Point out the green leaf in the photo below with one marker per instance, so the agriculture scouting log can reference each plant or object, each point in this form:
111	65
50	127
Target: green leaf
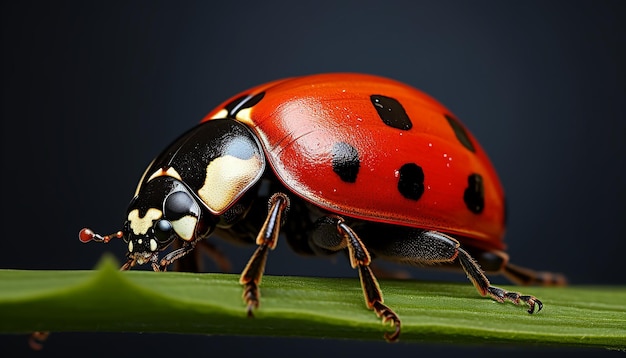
140	301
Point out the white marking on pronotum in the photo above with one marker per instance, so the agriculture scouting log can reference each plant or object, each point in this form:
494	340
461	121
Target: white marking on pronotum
223	113
185	227
171	172
245	116
226	178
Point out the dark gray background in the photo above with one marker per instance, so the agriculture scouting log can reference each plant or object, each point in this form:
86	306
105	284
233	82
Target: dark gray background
91	91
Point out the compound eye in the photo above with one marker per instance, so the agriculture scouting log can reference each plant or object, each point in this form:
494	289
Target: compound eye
163	231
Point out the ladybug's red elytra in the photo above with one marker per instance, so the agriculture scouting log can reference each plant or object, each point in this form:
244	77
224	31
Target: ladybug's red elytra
346	162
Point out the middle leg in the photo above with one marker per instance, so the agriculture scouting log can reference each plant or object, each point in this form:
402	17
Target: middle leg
331	233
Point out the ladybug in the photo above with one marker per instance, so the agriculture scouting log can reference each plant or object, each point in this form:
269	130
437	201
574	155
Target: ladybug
334	162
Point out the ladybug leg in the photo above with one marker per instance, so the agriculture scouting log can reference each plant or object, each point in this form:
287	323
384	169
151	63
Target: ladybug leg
524	276
430	247
193	263
484	287
37	339
266	239
128	264
173	256
215	254
333	234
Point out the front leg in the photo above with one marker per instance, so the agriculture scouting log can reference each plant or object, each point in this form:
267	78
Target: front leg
267	239
172	256
128	264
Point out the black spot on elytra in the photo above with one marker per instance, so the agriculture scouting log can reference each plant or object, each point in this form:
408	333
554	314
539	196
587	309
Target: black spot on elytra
411	182
460	132
241	102
391	112
474	196
346	161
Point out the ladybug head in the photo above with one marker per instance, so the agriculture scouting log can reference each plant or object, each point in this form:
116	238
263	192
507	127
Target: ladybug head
163	211
196	183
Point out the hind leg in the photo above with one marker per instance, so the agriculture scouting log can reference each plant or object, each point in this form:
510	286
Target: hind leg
331	233
495	261
524	276
431	247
